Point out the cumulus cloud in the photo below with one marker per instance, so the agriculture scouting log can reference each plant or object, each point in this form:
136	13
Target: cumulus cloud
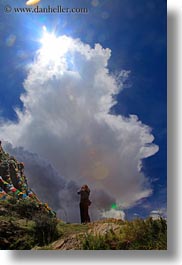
113	213
66	120
157	214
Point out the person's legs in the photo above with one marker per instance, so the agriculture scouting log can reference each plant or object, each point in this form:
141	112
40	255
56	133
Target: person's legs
85	218
82	213
88	218
86	215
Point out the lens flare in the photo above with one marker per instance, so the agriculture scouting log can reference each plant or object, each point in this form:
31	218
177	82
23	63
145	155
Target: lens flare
32	2
114	206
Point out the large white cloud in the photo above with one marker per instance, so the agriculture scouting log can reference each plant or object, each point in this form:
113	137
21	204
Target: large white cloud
68	96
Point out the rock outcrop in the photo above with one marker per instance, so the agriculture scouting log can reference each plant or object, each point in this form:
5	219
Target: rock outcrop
13	182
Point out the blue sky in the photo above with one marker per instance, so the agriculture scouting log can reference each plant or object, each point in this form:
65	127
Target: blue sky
135	31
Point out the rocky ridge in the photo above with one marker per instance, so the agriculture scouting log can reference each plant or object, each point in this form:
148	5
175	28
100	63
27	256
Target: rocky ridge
14	184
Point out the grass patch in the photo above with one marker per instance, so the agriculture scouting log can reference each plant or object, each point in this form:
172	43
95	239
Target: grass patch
65	230
134	235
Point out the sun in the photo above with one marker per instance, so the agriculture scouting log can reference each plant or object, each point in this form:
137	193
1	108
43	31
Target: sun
53	47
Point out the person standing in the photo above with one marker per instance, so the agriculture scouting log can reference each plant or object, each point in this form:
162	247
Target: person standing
84	193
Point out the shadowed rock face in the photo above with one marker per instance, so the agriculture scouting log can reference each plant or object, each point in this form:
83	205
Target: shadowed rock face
24	219
13	182
8	232
73	242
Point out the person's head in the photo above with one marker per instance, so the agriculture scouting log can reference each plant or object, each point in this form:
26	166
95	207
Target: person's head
85	187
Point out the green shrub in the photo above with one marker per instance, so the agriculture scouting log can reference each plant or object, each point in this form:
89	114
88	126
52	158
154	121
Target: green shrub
45	229
24	242
26	208
95	243
146	234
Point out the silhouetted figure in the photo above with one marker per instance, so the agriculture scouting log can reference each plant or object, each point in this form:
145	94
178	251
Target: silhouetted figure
0	146
84	203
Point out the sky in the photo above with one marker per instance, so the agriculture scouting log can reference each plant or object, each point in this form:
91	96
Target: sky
83	100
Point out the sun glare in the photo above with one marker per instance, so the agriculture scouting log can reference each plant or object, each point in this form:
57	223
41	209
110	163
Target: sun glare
53	47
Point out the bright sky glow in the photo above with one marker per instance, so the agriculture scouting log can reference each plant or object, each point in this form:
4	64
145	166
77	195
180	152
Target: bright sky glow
53	47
